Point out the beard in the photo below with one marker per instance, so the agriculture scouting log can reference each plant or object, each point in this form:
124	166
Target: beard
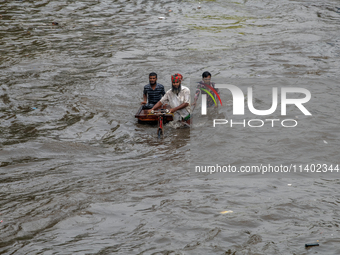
176	90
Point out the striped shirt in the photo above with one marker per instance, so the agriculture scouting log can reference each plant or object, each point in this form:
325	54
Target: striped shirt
154	95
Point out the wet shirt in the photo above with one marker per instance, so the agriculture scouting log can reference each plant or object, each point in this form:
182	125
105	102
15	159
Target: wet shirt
154	95
175	100
210	101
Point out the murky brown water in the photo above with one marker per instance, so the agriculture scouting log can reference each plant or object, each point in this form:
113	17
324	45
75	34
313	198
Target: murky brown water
80	176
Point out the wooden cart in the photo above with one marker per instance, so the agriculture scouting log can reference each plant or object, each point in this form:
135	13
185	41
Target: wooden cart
144	117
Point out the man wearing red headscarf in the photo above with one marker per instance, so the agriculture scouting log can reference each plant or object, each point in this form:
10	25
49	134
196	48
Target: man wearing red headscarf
178	97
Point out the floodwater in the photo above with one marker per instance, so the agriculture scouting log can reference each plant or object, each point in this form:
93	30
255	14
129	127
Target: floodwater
79	175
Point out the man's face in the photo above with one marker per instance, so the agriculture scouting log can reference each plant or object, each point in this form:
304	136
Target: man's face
206	80
176	84
152	80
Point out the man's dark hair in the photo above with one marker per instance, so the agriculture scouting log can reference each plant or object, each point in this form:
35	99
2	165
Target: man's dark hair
206	74
153	74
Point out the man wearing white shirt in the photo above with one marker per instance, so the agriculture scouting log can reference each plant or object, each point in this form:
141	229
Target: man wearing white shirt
178	97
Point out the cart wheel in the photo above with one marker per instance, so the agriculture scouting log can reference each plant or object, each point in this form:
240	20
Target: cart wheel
160	133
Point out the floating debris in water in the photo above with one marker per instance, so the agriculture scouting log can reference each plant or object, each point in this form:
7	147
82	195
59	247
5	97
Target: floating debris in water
161	18
224	212
325	142
55	23
289	184
311	244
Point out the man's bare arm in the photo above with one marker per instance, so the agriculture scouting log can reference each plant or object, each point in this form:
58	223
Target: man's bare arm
181	106
145	99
